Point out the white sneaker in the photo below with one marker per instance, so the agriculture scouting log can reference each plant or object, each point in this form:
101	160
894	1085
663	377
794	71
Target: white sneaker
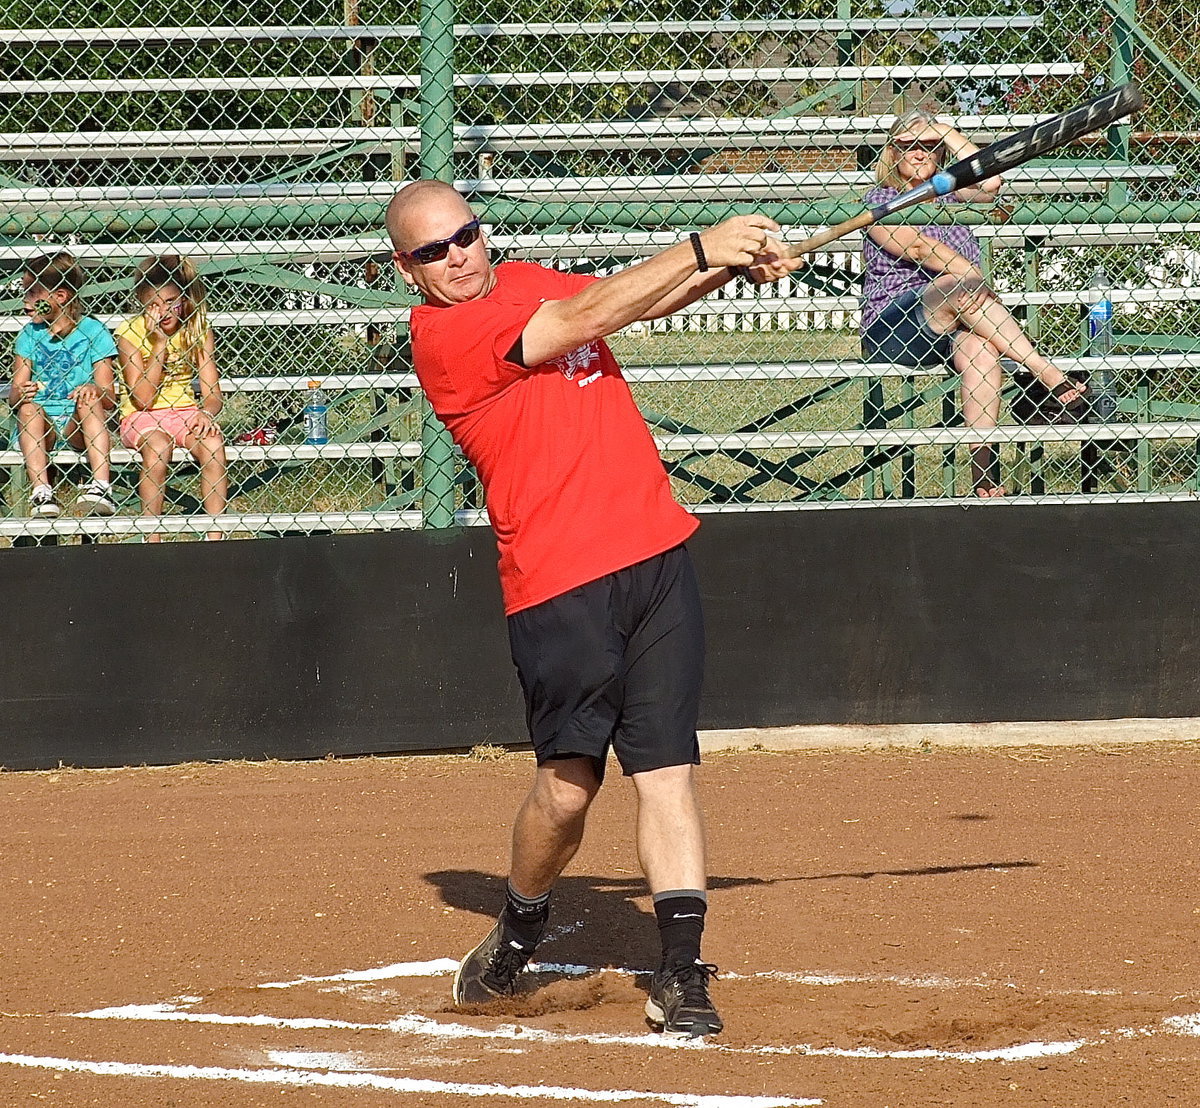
42	503
99	498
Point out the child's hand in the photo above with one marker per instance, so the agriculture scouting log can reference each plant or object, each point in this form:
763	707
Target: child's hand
202	422
27	391
154	318
86	394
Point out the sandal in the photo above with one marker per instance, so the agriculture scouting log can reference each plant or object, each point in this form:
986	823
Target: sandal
985	472
1077	405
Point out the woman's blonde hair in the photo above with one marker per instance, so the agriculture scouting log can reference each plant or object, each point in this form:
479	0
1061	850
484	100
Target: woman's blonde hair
52	272
157	272
885	168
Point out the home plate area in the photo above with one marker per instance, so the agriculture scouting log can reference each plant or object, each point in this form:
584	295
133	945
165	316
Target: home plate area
894	930
342	1031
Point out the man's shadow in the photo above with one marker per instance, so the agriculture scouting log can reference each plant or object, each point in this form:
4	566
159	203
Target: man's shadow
594	920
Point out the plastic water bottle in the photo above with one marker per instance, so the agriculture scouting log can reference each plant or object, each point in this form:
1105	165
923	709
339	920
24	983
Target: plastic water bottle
316	415
1100	345
1100	315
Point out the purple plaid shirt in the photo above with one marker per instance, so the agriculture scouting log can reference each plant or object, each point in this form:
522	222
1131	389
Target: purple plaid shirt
886	277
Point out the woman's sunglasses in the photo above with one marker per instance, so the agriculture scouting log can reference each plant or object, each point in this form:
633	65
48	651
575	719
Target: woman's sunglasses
929	147
436	251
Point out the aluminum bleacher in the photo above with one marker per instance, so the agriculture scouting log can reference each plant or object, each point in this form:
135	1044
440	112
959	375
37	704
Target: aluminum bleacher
284	215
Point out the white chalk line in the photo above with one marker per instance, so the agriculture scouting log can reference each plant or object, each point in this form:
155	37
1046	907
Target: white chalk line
444	967
439	967
300	1067
383	1083
423	1026
168	1013
317	1060
413	1024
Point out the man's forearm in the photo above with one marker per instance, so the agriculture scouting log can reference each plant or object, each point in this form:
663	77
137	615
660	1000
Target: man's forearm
694	288
605	306
645	290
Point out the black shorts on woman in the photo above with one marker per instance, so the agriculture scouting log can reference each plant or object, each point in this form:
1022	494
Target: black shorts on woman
901	334
616	662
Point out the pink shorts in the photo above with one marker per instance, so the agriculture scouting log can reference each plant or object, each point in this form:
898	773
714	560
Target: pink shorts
174	421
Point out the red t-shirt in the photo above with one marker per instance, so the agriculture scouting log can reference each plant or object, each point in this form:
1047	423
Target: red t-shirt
575	488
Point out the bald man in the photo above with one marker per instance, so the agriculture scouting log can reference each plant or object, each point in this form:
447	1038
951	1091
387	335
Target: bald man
602	604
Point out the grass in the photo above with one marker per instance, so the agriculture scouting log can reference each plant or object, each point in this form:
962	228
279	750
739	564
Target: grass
677	347
487	752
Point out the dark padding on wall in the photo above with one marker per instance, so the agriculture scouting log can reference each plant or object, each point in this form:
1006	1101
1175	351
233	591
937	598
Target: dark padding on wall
301	647
952	614
287	648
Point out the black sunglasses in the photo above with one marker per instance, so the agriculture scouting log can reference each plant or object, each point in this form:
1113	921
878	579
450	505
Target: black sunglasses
436	251
918	144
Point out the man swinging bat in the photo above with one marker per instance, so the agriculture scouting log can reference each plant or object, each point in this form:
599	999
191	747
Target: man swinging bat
603	607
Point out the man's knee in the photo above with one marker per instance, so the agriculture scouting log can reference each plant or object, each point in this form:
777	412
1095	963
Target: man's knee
565	787
668	782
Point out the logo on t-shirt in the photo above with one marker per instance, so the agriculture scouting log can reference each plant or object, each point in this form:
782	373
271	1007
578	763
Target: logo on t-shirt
60	367
60	363
576	360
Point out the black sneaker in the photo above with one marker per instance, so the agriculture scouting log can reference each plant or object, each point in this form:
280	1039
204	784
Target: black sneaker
490	971
679	1004
43	503
99	499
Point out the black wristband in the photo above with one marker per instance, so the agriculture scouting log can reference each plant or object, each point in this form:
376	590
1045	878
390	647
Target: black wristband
698	250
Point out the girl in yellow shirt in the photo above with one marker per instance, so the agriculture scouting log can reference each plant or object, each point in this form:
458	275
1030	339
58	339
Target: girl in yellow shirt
161	352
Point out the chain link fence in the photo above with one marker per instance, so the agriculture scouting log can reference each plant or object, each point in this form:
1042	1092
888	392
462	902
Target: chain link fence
262	144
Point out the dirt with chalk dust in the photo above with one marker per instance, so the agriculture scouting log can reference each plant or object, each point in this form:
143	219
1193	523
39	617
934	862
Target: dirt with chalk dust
966	927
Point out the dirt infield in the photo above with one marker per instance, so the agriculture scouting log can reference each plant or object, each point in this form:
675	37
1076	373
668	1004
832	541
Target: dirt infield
965	927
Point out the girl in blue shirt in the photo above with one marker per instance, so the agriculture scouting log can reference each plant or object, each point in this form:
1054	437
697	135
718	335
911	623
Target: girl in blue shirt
63	385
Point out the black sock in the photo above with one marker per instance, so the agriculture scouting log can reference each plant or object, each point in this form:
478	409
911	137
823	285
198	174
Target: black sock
525	917
680	914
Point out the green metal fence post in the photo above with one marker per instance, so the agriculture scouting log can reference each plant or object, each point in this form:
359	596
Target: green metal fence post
1031	268
875	419
851	99
951	417
1120	71
908	460
437	160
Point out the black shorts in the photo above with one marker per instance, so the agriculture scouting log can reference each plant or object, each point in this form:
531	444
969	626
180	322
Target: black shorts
618	661
901	334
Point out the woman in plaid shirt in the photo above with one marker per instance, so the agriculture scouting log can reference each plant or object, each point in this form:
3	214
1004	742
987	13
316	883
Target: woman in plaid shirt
926	302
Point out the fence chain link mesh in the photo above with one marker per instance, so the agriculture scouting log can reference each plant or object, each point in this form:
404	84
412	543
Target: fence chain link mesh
262	142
